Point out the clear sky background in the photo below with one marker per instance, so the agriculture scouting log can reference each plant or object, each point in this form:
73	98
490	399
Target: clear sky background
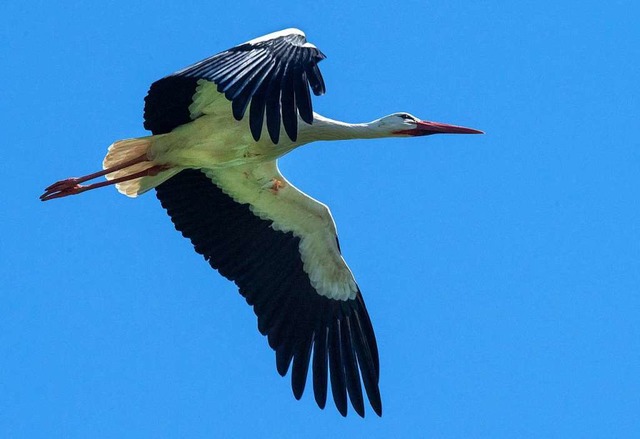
501	272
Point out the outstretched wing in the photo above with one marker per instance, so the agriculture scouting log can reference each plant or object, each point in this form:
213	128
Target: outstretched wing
272	73
280	247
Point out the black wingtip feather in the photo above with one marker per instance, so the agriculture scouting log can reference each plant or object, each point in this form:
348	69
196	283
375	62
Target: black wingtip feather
320	362
288	105
367	365
284	354
351	368
273	104
336	367
300	369
315	79
256	112
303	97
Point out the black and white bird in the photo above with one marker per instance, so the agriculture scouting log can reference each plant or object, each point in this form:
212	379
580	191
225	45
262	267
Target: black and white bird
214	169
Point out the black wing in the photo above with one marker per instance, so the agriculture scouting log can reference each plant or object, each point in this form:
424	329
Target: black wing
272	73
339	332
266	266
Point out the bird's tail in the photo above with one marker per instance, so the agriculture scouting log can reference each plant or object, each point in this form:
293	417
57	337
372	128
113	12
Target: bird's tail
126	150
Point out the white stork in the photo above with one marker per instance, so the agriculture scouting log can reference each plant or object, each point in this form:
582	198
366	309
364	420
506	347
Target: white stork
215	172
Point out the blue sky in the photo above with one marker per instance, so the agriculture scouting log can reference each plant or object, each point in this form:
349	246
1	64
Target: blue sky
501	272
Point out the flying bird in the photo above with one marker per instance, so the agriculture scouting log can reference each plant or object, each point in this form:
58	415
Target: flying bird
214	169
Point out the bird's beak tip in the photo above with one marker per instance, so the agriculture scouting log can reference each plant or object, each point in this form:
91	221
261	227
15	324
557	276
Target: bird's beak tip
429	127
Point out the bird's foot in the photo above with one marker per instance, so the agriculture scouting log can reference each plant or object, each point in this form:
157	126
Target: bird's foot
63	188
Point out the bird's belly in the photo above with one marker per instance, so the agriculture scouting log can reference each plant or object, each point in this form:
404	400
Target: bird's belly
213	142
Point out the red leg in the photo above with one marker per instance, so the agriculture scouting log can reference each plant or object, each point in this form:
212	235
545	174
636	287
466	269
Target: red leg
72	186
74	181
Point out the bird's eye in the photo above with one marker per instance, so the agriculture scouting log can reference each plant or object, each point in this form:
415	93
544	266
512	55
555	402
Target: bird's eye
406	116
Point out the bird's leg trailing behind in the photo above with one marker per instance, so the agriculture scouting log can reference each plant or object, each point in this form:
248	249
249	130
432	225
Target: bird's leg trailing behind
72	186
126	165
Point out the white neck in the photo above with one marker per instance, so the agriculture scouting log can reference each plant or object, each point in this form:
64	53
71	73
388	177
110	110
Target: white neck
324	128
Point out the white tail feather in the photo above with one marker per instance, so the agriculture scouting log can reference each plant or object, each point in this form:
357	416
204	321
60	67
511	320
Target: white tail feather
130	149
138	186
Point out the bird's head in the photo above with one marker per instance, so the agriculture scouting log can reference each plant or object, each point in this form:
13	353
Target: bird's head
404	124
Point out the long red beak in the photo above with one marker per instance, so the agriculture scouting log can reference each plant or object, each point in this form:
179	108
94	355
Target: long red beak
425	128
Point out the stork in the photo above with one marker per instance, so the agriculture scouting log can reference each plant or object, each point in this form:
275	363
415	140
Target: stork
215	172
